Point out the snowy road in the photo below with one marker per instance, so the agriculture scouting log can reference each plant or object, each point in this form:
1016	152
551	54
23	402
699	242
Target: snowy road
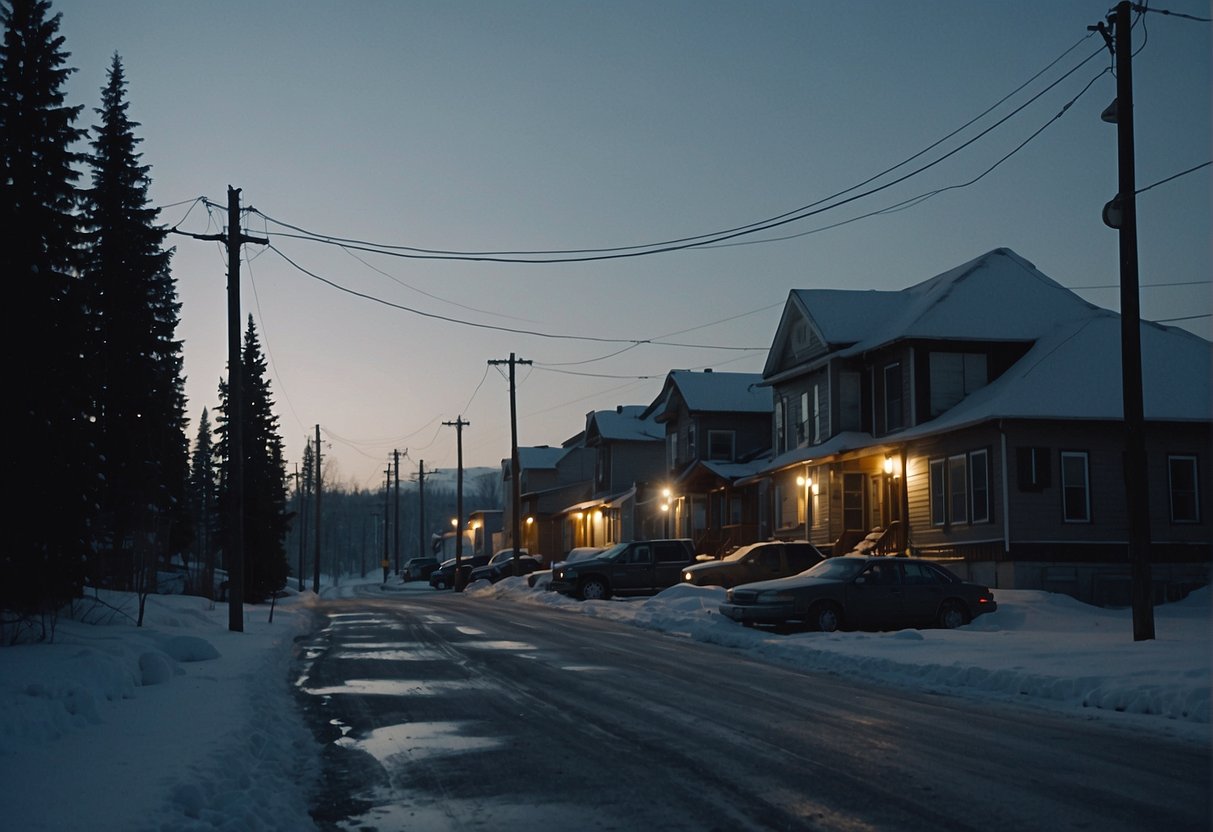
440	712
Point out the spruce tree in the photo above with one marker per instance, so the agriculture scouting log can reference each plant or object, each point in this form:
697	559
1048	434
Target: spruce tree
42	560
137	361
266	519
203	500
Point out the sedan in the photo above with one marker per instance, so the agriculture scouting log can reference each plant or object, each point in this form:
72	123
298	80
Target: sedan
859	592
503	565
755	562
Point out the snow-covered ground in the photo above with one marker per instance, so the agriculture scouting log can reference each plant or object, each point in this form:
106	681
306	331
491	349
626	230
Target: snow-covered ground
183	725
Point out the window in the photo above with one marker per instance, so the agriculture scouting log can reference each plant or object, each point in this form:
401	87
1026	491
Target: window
1185	502
671	449
816	434
939	491
1032	468
960	488
852	502
958	492
979	486
1076	497
735	511
848	401
780	447
805	429
953	376
892	398
721	445
692	442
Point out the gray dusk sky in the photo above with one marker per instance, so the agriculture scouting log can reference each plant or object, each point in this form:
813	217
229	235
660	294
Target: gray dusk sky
478	126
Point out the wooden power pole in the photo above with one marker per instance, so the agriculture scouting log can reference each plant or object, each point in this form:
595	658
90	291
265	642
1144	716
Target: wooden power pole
459	425
515	478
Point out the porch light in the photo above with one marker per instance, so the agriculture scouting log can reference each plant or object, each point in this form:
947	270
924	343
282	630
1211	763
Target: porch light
804	482
454	522
816	489
577	515
530	521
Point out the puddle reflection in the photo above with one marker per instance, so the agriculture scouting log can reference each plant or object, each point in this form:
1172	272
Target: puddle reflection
499	645
418	740
393	655
390	687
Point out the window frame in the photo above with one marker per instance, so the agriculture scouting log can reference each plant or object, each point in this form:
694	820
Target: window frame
1067	487
890	424
983	490
938	490
1194	465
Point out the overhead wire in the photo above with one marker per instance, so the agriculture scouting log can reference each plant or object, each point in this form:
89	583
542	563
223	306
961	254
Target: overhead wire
701	240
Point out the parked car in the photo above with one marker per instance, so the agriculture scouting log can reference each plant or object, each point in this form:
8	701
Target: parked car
755	562
502	565
862	592
418	569
444	576
641	567
542	578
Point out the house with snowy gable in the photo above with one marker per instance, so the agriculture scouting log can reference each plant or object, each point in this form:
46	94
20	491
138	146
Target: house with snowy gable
717	431
976	418
626	446
549	478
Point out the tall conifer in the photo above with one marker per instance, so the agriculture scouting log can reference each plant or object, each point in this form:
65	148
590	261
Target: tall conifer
43	556
203	500
137	371
265	513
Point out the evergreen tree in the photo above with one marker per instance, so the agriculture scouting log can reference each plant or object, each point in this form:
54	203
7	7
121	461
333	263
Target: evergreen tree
137	362
42	560
266	519
203	500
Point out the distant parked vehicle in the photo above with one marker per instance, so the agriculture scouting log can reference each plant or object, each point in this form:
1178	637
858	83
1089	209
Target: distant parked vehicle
542	578
444	576
418	569
502	565
857	592
755	562
641	567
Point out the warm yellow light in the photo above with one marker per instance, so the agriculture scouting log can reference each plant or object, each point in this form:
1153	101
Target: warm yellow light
455	522
475	524
888	464
804	482
597	514
577	515
665	506
530	520
665	492
816	490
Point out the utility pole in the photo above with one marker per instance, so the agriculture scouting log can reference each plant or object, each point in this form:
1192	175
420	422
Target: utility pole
515	474
396	526
234	555
387	494
319	489
459	425
1121	214
421	509
299	514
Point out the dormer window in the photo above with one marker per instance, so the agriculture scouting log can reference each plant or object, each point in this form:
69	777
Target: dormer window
721	445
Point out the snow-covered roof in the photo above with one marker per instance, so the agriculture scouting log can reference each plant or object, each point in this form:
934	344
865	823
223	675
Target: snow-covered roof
540	456
625	423
712	392
1074	372
998	296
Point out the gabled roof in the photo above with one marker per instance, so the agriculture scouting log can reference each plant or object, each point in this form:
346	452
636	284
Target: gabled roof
998	296
712	392
540	457
626	423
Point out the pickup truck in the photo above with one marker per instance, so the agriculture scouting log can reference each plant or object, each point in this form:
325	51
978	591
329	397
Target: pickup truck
640	567
761	561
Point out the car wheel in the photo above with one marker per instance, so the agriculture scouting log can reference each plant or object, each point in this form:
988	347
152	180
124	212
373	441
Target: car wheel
952	615
440	584
826	618
593	590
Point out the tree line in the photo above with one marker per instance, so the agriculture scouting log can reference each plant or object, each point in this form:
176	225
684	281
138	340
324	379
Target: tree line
108	492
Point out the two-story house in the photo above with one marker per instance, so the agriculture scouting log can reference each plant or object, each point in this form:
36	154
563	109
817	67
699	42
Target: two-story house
977	417
717	431
549	479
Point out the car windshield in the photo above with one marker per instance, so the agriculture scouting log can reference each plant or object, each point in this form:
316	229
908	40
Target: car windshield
612	552
837	569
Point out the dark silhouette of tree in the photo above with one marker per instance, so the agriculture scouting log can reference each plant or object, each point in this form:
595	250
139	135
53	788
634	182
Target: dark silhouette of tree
42	559
136	371
203	500
266	519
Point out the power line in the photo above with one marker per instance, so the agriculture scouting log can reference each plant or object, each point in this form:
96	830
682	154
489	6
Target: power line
701	240
494	327
1176	176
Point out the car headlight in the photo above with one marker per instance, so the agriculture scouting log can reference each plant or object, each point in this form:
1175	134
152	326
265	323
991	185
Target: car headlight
686	576
774	596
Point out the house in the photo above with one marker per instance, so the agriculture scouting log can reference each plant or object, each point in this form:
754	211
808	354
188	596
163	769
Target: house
550	478
627	446
976	418
717	431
